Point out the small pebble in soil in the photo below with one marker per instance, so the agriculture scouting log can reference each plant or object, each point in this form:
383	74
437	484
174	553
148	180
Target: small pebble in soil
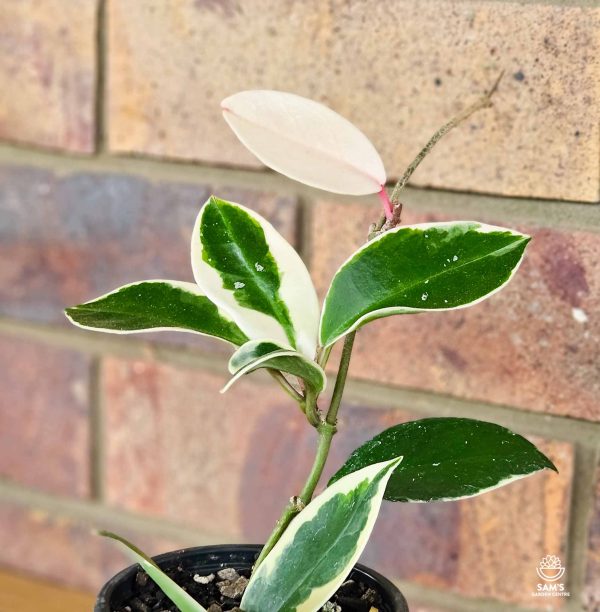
204	579
227	574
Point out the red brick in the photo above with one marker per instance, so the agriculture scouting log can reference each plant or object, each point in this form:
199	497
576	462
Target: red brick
65	550
44	427
398	69
523	347
69	238
176	449
48	73
592	588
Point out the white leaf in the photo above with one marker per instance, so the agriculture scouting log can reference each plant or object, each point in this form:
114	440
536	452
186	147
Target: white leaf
305	141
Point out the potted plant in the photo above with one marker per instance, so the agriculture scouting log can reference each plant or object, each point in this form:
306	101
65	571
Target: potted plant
253	291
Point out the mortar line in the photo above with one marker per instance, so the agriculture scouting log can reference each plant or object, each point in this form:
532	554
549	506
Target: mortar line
100	114
429	403
582	505
540	212
96	435
99	516
373	395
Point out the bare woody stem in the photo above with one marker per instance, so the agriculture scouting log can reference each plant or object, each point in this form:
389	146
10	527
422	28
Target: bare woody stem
484	102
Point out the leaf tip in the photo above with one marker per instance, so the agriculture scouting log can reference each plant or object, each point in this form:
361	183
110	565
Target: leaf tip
71	315
550	464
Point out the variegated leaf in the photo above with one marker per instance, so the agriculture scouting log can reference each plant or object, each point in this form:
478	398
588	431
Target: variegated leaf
253	274
419	268
181	598
156	305
320	546
265	354
306	141
448	458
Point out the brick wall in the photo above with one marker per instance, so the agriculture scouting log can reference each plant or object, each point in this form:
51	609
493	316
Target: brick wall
112	138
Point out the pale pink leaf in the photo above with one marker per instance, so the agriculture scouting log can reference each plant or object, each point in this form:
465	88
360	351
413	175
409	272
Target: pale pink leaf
305	141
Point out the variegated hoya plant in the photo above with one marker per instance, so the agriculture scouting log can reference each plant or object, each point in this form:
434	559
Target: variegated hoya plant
253	291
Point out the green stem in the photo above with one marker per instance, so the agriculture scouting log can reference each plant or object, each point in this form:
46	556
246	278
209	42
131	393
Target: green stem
326	433
297	504
310	408
326	429
285	384
323	356
340	381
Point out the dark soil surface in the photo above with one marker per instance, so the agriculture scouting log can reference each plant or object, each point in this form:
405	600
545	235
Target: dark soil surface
223	590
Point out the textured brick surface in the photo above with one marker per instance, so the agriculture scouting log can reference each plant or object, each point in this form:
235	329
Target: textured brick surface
176	448
65	550
44	433
534	345
592	590
48	72
68	239
397	69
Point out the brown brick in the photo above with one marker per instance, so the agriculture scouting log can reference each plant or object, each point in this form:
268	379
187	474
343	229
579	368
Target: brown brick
592	588
65	550
524	347
68	239
44	428
177	449
48	73
388	66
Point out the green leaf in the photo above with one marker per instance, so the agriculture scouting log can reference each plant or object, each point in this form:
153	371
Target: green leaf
171	589
156	305
436	266
250	271
320	546
448	458
265	354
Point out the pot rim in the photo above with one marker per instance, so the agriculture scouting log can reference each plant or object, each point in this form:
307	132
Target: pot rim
391	591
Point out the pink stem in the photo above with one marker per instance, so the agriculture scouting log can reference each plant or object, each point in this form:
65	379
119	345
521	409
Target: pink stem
388	209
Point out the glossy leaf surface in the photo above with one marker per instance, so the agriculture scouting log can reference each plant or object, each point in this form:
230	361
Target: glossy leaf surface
426	267
321	545
156	305
171	589
264	354
448	458
254	275
305	141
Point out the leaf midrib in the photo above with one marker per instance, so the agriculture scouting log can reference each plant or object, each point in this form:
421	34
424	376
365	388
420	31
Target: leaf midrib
264	288
341	162
410	287
338	537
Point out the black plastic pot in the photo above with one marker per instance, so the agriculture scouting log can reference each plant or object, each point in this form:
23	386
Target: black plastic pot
208	559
